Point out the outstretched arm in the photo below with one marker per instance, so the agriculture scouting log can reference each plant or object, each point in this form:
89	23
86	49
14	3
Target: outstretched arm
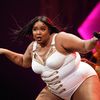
73	43
23	60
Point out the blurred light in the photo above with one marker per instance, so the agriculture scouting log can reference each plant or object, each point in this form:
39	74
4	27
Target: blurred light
91	23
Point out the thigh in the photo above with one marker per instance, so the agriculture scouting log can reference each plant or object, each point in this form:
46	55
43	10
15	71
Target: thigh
89	90
45	94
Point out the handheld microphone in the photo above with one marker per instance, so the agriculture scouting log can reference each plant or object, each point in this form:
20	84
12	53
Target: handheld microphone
97	35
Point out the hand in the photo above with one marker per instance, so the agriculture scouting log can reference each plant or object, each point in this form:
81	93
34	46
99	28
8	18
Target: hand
97	35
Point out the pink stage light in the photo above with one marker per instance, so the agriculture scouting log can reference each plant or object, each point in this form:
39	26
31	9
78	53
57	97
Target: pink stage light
91	23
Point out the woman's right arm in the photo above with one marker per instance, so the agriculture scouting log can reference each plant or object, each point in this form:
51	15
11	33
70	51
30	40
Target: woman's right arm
23	60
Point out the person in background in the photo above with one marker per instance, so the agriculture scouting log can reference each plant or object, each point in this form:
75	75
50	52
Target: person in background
96	55
55	56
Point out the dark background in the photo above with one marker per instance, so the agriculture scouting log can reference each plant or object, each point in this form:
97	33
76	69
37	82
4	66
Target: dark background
17	83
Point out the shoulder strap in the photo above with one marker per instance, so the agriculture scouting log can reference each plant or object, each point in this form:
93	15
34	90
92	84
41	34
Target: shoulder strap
34	46
53	40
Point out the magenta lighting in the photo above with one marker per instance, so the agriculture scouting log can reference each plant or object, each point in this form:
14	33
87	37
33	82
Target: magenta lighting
91	23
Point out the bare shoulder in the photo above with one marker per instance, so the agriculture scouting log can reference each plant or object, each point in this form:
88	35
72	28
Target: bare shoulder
68	41
63	35
68	36
60	36
60	39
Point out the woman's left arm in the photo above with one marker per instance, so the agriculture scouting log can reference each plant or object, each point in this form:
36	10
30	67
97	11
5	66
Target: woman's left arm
73	43
88	45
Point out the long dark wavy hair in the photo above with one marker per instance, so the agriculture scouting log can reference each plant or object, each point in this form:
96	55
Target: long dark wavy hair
27	29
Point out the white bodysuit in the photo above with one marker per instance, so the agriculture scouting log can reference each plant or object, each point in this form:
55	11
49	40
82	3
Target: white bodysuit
63	74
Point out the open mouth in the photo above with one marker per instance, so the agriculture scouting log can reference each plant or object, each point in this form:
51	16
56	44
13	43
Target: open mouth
39	38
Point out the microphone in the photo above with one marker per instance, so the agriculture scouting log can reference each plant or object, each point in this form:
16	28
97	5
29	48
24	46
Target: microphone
97	35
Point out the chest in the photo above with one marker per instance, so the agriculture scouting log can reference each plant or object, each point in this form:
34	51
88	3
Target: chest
54	61
43	53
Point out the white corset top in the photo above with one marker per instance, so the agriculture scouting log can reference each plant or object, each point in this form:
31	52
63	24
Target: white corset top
56	67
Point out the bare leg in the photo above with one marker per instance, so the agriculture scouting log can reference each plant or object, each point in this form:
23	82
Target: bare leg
45	94
89	90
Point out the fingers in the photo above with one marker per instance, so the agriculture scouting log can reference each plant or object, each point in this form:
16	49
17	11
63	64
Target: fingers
97	35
